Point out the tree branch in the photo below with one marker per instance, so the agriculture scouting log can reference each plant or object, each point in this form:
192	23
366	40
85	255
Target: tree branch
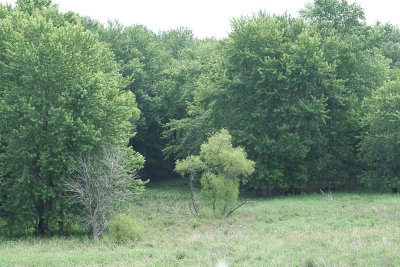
241	204
330	198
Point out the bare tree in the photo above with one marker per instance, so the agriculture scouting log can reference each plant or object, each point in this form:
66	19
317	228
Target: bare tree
100	182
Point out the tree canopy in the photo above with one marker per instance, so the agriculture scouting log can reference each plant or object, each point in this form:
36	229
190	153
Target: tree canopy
61	94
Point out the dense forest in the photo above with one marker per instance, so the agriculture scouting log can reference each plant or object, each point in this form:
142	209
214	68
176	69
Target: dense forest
313	101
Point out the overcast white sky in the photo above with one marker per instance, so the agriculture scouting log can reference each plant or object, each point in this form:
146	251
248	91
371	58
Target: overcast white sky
207	18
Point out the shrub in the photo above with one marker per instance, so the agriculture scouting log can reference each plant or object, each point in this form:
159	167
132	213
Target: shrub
123	229
222	168
221	193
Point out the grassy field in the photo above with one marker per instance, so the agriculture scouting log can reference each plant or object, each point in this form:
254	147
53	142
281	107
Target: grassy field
291	231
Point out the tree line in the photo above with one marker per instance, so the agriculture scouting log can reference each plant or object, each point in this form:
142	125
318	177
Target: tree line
313	100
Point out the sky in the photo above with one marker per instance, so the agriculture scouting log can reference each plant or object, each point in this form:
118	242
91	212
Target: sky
206	18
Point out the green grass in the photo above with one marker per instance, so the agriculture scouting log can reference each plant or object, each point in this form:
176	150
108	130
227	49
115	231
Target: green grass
291	231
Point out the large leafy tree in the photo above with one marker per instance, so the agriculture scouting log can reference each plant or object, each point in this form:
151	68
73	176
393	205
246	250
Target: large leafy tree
267	84
356	51
61	94
275	99
380	146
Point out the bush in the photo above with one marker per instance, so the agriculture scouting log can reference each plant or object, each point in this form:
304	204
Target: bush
222	168
221	193
123	229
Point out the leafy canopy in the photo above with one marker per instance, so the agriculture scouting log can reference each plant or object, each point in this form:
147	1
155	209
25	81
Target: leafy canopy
61	95
380	146
222	168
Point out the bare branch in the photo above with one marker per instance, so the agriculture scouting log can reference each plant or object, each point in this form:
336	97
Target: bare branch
99	183
241	204
330	198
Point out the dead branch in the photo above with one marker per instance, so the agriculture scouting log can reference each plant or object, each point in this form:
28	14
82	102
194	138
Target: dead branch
330	198
241	204
100	183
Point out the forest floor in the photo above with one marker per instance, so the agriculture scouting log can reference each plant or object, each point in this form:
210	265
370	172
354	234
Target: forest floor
306	230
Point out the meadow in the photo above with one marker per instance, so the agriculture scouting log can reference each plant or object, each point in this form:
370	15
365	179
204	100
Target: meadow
305	230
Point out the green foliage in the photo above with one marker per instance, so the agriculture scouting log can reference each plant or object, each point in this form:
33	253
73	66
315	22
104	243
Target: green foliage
380	146
304	80
193	88
390	43
337	15
123	229
290	92
61	95
185	166
355	49
222	169
31	5
165	70
299	94
221	193
221	158
101	183
141	58
274	99
176	40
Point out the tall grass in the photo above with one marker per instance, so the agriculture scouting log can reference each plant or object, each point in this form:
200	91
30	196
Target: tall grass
288	231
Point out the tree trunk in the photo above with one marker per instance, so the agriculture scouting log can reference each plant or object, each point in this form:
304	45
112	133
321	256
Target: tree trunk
61	227
42	225
95	231
95	236
264	192
192	193
214	201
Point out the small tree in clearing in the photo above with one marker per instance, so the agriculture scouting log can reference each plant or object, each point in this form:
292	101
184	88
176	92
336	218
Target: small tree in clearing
101	182
222	168
191	165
